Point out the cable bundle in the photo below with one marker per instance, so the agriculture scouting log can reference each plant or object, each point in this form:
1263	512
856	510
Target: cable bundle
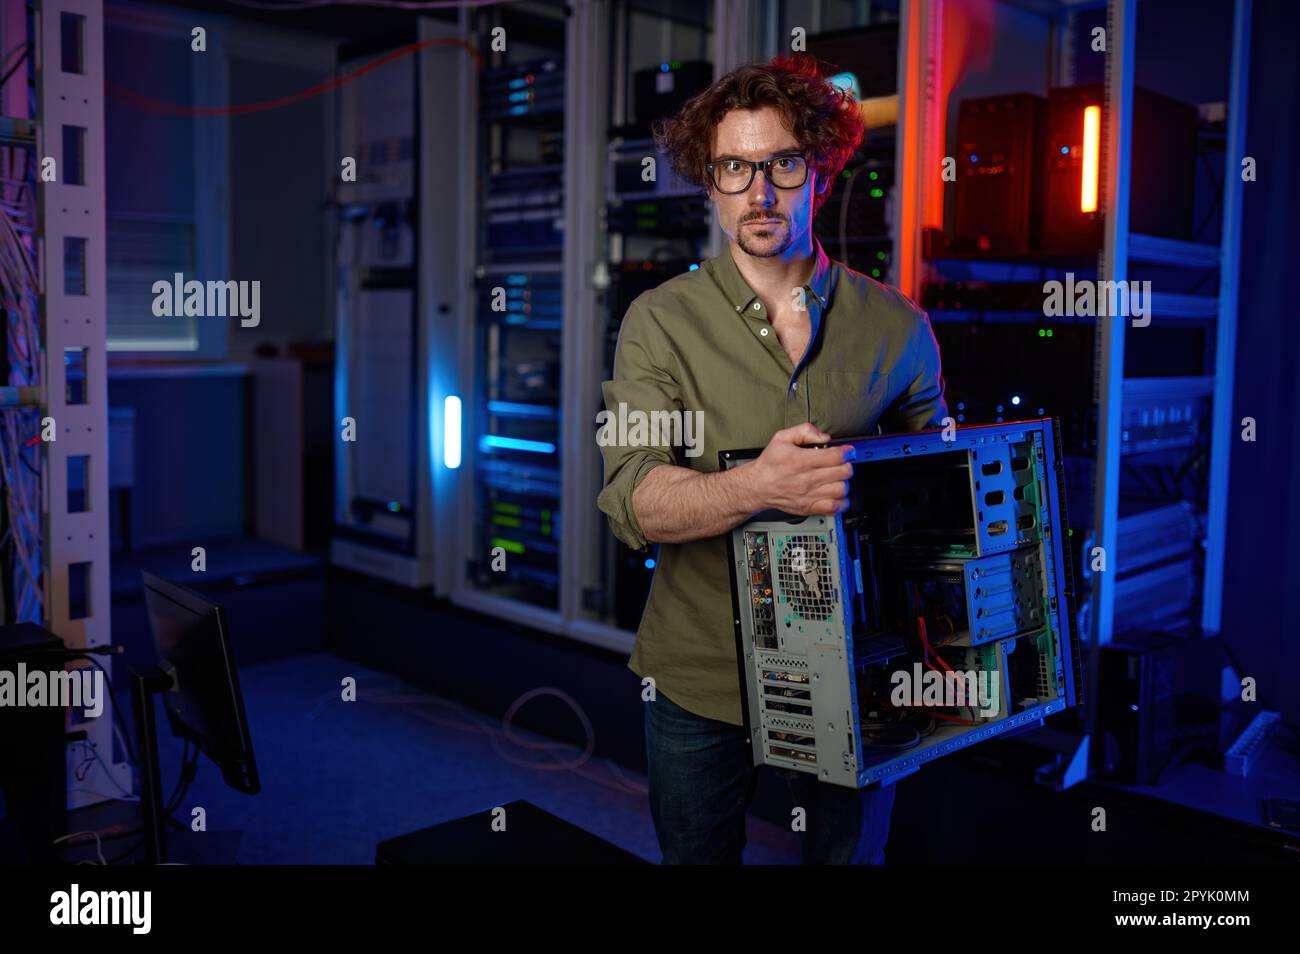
20	546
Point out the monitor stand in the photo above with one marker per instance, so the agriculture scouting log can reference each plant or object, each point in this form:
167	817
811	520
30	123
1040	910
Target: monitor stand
145	684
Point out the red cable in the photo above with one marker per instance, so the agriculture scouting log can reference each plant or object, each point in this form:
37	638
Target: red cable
164	108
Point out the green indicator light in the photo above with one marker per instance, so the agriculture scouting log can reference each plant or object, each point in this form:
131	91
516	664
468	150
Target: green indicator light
510	546
505	507
875	273
873	176
880	256
546	515
877	193
1049	332
1041	333
507	521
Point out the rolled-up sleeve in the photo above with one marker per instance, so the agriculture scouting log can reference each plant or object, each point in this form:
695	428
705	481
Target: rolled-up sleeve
643	381
922	404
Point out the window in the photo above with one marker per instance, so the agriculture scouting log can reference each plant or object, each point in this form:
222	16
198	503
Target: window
151	229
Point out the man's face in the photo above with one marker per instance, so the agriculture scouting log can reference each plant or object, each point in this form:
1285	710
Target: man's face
763	220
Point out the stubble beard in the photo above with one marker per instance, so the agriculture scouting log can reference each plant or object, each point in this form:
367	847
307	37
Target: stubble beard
746	239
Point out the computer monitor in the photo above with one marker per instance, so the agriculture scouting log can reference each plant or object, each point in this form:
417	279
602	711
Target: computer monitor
204	701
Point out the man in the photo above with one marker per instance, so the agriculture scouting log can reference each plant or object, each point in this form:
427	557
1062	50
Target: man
781	348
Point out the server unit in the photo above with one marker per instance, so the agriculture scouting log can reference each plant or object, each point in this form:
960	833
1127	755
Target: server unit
1030	174
932	614
382	479
998	173
869	53
853	223
662	90
515	415
1161	702
1163	164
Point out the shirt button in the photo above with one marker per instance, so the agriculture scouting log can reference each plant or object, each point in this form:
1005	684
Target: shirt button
763	332
795	386
757	305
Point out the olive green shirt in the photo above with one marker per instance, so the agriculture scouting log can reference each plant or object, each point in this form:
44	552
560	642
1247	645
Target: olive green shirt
702	342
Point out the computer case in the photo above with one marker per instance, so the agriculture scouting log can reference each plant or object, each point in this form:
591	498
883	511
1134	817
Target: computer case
1162	186
951	554
1161	702
999	177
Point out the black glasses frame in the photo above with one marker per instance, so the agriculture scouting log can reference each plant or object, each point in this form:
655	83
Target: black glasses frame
753	171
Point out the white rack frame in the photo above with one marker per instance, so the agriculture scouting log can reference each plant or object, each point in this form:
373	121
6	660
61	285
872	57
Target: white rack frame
75	321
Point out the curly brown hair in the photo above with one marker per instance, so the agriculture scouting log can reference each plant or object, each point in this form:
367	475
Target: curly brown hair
823	118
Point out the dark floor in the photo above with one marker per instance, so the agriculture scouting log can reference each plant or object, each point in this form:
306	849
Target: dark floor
338	777
431	746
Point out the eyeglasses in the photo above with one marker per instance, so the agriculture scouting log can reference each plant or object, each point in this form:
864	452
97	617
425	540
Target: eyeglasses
731	176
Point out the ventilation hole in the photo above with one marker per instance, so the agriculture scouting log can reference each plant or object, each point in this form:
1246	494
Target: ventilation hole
1026	522
74	155
1019	463
994	497
74	375
74	265
72	47
997	528
993	469
79	591
78	483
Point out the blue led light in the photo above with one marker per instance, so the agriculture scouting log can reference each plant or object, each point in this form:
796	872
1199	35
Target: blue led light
518	409
491	442
848	82
650	563
450	431
663	67
1015	399
1065	150
974	158
694	267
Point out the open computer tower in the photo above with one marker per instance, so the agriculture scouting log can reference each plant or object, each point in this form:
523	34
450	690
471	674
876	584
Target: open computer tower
949	558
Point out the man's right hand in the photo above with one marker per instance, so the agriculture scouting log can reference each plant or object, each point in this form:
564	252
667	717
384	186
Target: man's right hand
798	477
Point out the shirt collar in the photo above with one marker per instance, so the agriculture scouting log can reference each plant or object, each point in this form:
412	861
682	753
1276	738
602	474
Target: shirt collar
737	291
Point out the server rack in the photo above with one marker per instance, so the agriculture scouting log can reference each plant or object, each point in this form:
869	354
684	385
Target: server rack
1131	414
505	558
381	512
69	579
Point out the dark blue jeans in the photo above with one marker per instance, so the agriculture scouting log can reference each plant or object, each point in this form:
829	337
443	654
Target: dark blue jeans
702	779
